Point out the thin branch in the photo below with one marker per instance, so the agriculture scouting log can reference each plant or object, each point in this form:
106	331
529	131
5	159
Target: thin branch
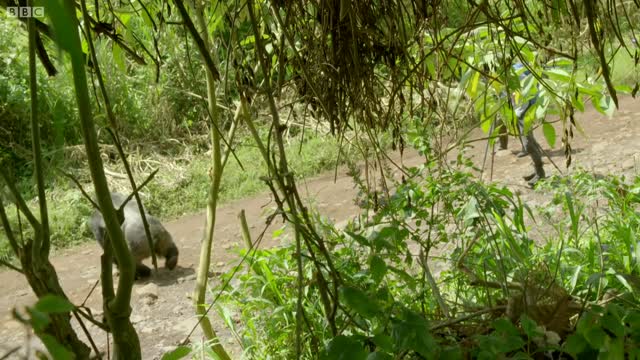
79	186
8	231
470	316
11	266
19	201
197	38
86	332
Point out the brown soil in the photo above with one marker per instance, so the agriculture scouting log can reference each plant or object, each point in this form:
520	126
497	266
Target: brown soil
607	146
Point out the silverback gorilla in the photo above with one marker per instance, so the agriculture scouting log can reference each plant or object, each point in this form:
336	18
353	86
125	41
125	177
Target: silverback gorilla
133	230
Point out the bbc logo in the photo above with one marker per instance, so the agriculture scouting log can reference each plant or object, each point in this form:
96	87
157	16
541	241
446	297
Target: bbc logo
25	11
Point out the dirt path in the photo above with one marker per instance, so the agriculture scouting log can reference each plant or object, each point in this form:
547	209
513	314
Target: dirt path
611	146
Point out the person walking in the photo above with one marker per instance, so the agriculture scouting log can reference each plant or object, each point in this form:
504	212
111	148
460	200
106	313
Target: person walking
529	144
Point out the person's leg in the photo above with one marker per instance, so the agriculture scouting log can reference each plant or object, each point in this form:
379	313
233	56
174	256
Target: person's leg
504	136
534	150
523	137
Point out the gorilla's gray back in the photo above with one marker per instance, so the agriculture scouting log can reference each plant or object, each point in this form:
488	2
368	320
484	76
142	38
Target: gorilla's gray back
133	228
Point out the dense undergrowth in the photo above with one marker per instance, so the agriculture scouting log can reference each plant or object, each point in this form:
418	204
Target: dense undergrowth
181	185
450	268
447	267
162	125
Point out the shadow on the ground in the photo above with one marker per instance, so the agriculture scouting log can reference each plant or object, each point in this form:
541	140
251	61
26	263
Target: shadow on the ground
166	277
560	152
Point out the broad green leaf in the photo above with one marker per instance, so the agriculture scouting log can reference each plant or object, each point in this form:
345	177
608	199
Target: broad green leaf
118	57
39	320
248	40
147	20
529	326
557	74
412	333
613	324
615	349
595	336
470	211
624	282
590	90
379	356
64	26
345	348
578	103
277	233
473	86
360	301
57	351
85	46
574	278
505	326
549	133
406	277
607	105
451	353
177	353
377	268
625	89
384	342
575	344
52	304
559	62
486	123
125	17
358	238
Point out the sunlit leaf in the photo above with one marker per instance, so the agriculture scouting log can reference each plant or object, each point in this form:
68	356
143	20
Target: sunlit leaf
64	28
557	74
607	105
377	268
39	320
57	351
118	57
574	278
624	282
53	304
473	86
177	353
549	133
470	210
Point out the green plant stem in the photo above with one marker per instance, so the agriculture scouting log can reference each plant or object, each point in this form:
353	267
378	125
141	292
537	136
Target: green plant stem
41	242
286	179
216	177
126	341
114	134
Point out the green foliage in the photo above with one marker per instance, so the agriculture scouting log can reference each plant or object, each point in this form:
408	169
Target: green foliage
179	353
55	105
39	319
388	309
169	199
67	217
307	158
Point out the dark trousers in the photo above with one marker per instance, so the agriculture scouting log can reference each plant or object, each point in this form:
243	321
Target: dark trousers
529	143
